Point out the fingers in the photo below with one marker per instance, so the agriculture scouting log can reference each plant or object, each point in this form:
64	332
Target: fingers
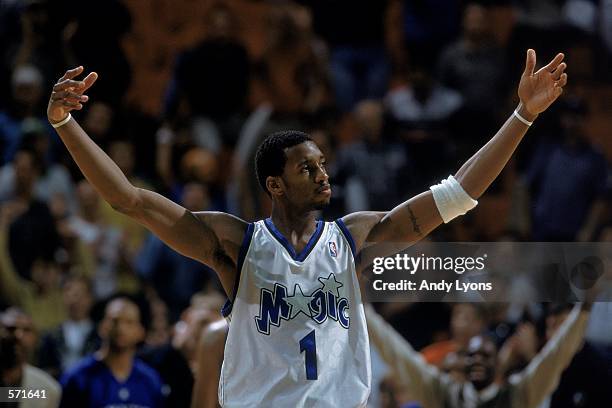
557	73
530	62
67	81
89	80
71	73
69	95
562	81
552	65
68	84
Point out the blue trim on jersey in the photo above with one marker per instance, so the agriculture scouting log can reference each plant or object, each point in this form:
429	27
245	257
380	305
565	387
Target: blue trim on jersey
244	247
284	242
348	236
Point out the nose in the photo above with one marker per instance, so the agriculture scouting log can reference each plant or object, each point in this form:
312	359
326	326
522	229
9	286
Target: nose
321	175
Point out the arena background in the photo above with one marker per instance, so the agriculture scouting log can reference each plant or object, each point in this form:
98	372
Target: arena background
397	94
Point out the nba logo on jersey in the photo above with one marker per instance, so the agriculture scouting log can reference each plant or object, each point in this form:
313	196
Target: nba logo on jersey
333	251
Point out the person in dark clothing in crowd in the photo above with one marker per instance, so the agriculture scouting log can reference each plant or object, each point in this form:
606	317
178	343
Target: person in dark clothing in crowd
113	375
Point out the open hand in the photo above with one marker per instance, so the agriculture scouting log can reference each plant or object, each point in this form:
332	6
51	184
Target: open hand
68	94
538	90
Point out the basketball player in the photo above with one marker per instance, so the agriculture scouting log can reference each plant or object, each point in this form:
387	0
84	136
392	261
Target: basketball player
297	335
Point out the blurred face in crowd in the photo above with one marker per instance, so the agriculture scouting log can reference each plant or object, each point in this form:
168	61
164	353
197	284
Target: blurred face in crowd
466	322
26	172
220	22
304	184
480	358
27	87
200	165
369	117
122	154
45	274
77	298
454	365
195	197
121	327
17	338
89	200
475	23
98	119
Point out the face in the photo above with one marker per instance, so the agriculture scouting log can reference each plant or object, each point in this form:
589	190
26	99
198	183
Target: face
304	183
17	338
121	326
25	171
480	359
465	322
475	21
77	298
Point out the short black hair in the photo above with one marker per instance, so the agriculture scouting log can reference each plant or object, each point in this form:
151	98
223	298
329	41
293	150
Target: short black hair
139	300
270	158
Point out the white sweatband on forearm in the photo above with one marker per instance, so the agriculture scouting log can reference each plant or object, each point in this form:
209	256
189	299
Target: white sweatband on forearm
451	199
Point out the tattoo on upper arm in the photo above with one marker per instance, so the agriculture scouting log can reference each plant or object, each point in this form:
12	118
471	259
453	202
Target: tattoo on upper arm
413	219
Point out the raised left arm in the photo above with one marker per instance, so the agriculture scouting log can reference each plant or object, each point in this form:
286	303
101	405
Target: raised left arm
412	220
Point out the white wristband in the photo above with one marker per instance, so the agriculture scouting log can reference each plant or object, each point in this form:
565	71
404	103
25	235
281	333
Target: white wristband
63	122
451	199
522	119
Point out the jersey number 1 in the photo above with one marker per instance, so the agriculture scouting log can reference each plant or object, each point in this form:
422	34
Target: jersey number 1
308	344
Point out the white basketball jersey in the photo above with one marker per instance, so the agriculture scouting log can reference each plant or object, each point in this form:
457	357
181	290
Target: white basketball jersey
297	335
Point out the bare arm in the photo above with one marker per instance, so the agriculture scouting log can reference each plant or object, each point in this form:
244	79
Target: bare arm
193	235
417	217
543	373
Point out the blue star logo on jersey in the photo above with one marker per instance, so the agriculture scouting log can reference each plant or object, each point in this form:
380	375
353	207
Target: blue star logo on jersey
325	302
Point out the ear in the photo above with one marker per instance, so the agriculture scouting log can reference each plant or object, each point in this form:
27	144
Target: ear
275	185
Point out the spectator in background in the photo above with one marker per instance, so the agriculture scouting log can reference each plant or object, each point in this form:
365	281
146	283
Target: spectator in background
427	26
431	388
467	320
567	180
586	381
64	345
381	167
175	277
17	340
31	231
54	181
113	375
34	35
210	83
123	154
83	44
103	240
474	66
41	297
423	113
358	61
25	101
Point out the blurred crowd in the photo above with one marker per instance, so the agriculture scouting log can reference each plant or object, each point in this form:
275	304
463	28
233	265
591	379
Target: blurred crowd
397	93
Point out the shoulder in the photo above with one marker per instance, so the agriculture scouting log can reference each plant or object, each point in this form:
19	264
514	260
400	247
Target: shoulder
81	370
37	378
147	373
227	227
359	225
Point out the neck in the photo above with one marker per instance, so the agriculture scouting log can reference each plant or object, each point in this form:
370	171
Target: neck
293	223
118	361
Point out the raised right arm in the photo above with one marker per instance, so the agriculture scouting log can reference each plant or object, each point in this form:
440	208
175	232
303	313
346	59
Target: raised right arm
207	237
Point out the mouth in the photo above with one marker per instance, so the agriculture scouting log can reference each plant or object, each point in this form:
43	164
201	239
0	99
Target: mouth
325	189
